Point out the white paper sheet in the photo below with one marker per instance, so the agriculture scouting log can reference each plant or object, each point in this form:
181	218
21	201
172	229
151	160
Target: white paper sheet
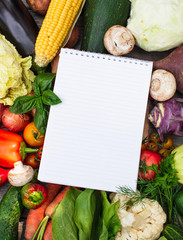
93	137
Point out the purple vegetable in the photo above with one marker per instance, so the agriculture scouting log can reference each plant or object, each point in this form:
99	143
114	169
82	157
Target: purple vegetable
167	117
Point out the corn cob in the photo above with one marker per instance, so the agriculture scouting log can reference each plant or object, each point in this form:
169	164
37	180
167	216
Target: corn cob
58	22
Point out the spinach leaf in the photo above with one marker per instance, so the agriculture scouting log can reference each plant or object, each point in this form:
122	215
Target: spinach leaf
88	218
110	216
63	226
85	207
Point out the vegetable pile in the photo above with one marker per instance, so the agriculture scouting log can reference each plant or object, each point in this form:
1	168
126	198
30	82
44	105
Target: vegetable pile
28	65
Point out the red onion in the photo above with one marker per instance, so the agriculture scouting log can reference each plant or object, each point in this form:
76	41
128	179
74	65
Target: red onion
15	122
2	107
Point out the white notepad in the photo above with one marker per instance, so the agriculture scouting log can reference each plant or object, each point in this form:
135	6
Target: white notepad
93	137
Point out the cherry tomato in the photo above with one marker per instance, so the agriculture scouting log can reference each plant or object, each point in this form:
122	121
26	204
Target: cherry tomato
143	146
168	143
148	158
163	152
152	146
155	137
39	153
32	160
32	136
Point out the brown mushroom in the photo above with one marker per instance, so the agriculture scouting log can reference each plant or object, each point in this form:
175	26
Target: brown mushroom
118	40
163	85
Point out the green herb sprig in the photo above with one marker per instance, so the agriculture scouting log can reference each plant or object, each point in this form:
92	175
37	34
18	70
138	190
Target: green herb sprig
43	98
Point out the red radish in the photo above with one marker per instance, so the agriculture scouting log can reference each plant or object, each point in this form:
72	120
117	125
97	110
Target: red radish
15	122
2	107
148	158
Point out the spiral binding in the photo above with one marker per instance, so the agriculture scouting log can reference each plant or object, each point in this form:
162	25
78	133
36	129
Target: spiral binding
105	57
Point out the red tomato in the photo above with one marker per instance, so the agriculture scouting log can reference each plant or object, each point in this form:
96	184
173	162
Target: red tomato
32	160
148	158
39	153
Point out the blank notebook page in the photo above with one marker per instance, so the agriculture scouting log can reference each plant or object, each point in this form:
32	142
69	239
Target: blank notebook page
93	138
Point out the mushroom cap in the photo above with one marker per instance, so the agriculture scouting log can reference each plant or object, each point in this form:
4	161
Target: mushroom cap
118	40
163	85
20	174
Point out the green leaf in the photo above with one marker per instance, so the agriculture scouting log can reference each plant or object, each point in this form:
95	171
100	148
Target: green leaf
50	98
23	104
43	82
63	226
41	116
110	216
87	210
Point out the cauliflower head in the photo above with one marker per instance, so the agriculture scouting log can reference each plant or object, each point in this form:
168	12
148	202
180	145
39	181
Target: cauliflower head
142	221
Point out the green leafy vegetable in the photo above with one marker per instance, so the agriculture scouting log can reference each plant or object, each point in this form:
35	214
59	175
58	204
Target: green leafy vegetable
110	216
43	98
63	226
156	25
16	77
86	215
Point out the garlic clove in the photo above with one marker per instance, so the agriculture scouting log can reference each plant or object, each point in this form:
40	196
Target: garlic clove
163	85
118	40
20	174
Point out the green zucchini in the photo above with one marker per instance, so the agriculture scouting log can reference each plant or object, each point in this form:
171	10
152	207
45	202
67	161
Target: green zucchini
173	232
99	16
10	210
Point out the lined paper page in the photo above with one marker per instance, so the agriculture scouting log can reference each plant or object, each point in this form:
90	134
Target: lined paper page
93	137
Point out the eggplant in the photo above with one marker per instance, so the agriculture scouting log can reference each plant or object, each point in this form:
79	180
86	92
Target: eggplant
18	26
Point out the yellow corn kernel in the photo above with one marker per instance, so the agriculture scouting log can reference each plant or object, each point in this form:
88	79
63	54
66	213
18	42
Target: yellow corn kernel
55	27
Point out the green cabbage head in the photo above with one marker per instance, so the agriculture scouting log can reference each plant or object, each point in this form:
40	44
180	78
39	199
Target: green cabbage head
178	157
16	78
157	25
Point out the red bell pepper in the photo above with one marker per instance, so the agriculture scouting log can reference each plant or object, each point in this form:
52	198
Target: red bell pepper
12	149
3	175
33	195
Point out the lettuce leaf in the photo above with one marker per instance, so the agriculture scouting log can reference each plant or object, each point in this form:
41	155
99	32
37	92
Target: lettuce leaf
16	78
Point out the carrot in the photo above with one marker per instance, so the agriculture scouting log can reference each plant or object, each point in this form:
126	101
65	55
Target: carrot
50	209
48	214
35	216
48	232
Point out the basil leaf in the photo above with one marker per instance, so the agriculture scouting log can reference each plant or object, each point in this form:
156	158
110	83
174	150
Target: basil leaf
50	98
41	116
23	104
44	81
36	87
63	226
